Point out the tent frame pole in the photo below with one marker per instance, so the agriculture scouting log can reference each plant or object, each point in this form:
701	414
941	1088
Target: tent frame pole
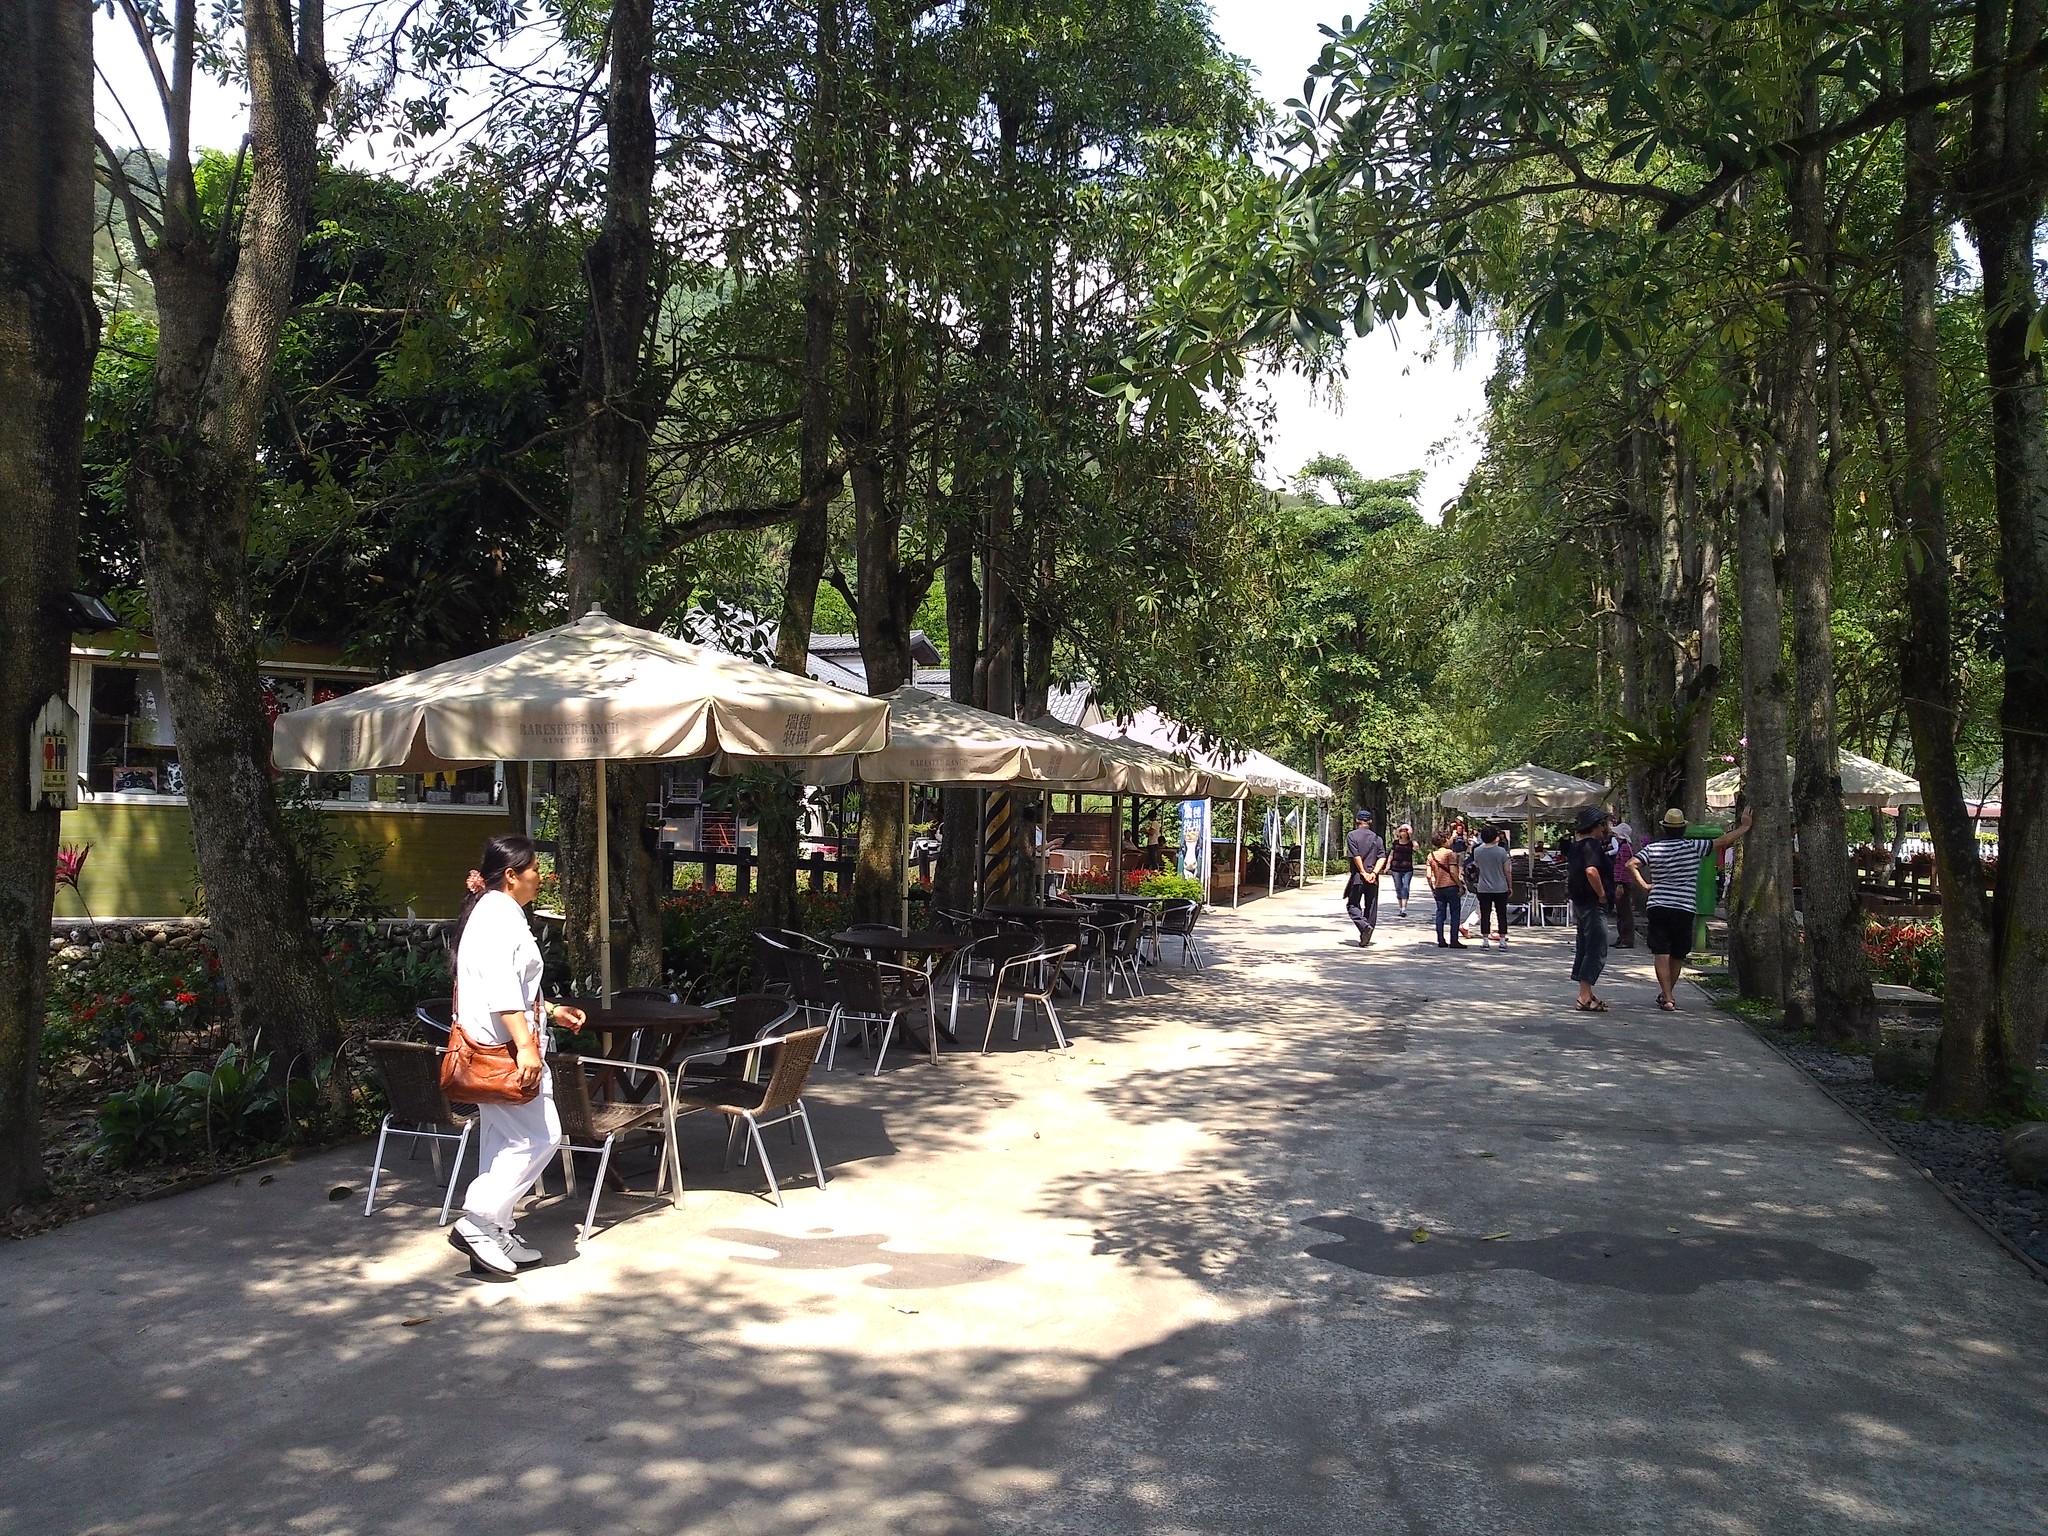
604	887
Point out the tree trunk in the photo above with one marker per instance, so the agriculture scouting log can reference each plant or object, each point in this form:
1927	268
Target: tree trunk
191	488
2005	200
1964	1063
1763	943
48	330
1843	1008
775	898
607	471
960	850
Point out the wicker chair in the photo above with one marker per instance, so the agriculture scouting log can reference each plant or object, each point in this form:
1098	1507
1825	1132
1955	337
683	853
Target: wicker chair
412	1087
755	1105
589	1125
1087	946
746	1018
433	1016
873	992
1027	978
774	964
817	984
1177	920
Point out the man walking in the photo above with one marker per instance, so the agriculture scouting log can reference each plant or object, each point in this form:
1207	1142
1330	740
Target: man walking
1668	867
1586	858
1368	857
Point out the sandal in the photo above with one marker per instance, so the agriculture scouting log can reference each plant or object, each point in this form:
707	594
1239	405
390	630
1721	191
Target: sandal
1667	1005
1595	1006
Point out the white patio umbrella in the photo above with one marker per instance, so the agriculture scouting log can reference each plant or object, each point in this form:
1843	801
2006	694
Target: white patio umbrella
1525	792
1864	783
594	691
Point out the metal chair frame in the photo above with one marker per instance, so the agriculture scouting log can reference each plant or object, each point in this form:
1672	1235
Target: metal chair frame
670	1177
1046	962
434	1138
1190	950
913	985
792	1112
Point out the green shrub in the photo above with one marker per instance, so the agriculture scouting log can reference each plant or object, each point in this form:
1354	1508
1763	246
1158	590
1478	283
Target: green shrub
1171	886
235	1103
127	1000
1907	954
149	1123
707	936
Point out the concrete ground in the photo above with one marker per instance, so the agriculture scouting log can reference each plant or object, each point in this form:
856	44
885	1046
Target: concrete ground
1166	1283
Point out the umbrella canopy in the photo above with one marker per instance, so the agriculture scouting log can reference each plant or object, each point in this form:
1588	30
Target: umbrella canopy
935	740
1522	792
1864	783
1261	775
595	690
1132	768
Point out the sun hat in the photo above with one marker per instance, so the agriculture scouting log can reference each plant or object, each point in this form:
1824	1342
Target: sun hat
1674	819
1590	816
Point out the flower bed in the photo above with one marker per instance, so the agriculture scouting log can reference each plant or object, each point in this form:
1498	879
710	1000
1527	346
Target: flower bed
1907	954
1139	882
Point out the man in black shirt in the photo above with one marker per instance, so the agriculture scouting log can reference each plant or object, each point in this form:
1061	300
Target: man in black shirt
1368	856
1586	858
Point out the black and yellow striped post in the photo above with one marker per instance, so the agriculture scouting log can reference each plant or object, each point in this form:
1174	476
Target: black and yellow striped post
998	834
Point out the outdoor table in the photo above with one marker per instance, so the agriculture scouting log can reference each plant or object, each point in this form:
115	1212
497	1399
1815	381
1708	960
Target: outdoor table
932	943
1031	914
665	1026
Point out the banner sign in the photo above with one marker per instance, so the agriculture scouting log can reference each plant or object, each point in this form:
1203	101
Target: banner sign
52	758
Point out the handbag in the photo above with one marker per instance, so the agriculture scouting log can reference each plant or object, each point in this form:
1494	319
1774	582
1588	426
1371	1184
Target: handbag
472	1073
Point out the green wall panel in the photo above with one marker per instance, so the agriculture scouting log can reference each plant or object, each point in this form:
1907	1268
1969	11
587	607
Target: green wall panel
141	863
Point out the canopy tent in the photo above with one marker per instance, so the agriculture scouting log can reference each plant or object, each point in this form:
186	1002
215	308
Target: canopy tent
937	740
1133	768
593	691
1525	794
1864	783
934	739
1262	776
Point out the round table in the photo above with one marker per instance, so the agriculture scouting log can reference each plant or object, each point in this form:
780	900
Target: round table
664	1025
918	941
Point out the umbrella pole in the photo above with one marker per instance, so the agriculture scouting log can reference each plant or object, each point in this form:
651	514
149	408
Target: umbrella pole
604	890
1116	845
1236	848
906	856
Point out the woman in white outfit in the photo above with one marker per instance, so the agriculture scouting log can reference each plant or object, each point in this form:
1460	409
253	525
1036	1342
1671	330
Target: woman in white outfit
498	1001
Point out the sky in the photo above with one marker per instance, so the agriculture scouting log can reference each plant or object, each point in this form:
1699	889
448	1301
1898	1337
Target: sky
1404	405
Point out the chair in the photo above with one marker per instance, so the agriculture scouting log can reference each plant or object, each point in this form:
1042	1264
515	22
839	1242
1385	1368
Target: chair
983	959
412	1087
756	1105
1030	978
1125	940
1087	944
746	1018
434	1015
1177	919
803	943
1551	897
775	964
873	992
589	1125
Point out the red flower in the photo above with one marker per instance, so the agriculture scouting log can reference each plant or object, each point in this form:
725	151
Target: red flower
71	864
187	999
138	1037
178	983
127	997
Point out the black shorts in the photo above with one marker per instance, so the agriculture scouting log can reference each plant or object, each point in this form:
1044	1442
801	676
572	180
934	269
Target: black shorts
1670	931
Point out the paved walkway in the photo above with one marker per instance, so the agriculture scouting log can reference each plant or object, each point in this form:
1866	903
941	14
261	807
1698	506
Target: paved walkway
1168	1283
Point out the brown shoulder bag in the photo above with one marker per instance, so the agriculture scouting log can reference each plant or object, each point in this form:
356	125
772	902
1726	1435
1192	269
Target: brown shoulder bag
482	1074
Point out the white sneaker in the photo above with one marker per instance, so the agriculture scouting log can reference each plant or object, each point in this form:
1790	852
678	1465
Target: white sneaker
480	1240
1486	941
522	1252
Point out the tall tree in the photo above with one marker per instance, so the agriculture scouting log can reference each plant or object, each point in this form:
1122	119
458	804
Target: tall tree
222	260
48	329
604	540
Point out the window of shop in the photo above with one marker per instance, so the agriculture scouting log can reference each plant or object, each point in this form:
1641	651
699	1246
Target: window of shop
132	746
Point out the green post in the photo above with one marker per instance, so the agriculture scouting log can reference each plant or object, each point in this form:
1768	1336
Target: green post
1710	869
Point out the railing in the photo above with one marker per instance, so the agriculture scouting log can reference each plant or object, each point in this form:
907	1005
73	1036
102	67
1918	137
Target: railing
811	871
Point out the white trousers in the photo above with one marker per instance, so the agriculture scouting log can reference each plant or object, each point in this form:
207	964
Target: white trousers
514	1145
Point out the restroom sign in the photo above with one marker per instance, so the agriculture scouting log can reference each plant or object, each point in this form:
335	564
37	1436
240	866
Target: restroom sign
52	754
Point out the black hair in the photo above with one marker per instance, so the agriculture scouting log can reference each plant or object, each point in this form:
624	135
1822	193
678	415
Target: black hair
509	853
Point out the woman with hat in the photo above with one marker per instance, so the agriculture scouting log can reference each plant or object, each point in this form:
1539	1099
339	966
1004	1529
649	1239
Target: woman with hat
1668	867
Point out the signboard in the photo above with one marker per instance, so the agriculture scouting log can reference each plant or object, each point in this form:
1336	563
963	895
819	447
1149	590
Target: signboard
52	756
1194	840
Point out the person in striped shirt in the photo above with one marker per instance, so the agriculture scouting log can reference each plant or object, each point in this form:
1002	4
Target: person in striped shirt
1668	867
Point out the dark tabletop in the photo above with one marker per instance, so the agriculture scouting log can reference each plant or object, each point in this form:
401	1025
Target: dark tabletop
1039	914
930	941
649	1014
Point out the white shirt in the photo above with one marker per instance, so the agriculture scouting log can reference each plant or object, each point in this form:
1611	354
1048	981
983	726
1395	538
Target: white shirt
497	969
